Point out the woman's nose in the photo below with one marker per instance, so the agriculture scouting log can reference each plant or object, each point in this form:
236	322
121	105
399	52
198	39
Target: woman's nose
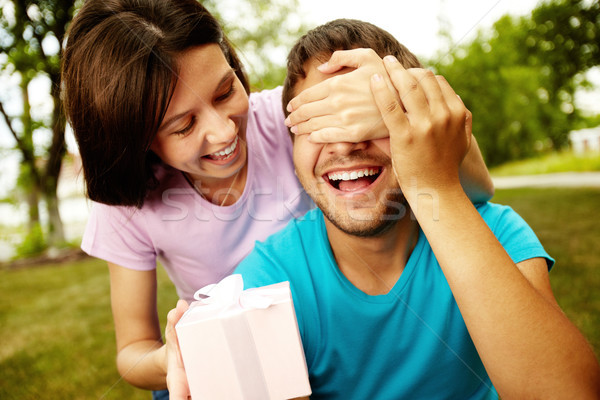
218	128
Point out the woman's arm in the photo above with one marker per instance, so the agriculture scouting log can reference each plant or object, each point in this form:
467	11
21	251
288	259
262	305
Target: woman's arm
141	355
342	108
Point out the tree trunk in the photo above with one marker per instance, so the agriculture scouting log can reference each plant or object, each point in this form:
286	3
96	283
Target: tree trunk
33	200
56	234
56	154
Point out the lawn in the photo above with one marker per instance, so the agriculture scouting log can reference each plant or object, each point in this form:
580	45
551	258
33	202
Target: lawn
565	161
58	334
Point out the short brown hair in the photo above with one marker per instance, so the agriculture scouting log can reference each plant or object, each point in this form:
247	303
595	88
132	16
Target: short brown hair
119	73
340	34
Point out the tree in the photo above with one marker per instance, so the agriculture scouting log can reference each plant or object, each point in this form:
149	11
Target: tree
520	77
27	30
263	31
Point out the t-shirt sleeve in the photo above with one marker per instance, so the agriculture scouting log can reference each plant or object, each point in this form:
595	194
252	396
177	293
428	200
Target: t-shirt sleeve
118	235
269	117
515	235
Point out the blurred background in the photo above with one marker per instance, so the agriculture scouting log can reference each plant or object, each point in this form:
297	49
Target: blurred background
528	70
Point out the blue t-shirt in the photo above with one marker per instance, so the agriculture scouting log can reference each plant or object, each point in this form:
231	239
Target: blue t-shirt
409	343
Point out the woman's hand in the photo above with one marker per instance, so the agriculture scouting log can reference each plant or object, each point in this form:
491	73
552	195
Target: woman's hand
176	378
429	127
341	108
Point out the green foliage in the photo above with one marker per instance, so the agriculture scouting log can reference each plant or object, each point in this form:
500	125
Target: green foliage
33	243
519	78
262	31
31	33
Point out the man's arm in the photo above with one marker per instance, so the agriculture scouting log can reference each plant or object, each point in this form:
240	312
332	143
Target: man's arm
528	346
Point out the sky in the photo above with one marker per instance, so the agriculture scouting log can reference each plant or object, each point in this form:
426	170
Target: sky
416	23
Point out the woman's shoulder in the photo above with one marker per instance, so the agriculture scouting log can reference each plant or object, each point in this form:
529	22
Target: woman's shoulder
266	119
268	98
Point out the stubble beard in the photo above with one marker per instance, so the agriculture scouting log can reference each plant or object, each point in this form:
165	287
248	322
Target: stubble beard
384	213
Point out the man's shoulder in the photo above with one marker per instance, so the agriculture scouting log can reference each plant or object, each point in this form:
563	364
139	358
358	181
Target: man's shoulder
497	214
276	258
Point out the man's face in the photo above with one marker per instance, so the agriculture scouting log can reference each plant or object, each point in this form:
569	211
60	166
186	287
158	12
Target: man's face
352	183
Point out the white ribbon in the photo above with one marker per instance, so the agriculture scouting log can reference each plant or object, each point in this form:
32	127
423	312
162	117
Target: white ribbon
230	292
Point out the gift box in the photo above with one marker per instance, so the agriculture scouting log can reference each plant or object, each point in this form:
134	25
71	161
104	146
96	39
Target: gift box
243	344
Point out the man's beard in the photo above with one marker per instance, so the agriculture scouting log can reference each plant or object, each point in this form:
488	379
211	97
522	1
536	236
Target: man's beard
388	210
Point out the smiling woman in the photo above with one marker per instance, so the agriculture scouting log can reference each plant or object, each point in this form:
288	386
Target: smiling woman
184	166
204	133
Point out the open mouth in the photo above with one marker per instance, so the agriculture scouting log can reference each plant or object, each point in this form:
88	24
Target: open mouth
224	154
353	180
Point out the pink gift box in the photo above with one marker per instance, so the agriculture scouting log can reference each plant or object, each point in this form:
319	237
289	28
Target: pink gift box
243	344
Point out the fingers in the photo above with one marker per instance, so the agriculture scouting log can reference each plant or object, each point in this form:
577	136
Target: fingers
409	90
460	116
306	113
388	104
311	94
176	378
431	89
348	58
336	135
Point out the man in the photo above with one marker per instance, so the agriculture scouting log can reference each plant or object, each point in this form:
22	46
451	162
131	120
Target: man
402	287
391	306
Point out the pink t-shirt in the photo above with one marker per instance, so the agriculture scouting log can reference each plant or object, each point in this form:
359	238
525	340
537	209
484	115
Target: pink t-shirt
196	241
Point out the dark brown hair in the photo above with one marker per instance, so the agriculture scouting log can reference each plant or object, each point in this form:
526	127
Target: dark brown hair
119	72
340	34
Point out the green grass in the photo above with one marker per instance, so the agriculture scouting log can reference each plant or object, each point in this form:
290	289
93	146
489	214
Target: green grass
567	223
550	163
58	339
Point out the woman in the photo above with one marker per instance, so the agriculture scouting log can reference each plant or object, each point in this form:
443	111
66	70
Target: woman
183	165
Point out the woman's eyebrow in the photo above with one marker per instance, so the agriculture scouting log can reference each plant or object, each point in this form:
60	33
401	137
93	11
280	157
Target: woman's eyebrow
225	79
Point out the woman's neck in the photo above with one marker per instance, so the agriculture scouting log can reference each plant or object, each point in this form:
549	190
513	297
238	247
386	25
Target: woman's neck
221	191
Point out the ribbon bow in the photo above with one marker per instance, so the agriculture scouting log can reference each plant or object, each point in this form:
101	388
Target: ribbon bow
229	293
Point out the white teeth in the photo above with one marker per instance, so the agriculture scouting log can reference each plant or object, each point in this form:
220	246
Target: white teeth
347	176
226	151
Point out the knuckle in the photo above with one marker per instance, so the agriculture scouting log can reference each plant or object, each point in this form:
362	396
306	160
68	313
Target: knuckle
392	106
425	126
412	86
299	115
304	127
427	73
371	53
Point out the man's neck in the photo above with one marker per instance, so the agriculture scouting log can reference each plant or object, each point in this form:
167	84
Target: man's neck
374	264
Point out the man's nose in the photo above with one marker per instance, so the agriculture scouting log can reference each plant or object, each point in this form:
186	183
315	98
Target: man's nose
345	148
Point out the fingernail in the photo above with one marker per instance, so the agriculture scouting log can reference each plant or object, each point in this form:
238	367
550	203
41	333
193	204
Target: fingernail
376	78
323	66
287	122
289	107
391	59
294	129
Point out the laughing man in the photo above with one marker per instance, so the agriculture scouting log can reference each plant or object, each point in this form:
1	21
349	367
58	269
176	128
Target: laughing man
402	287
